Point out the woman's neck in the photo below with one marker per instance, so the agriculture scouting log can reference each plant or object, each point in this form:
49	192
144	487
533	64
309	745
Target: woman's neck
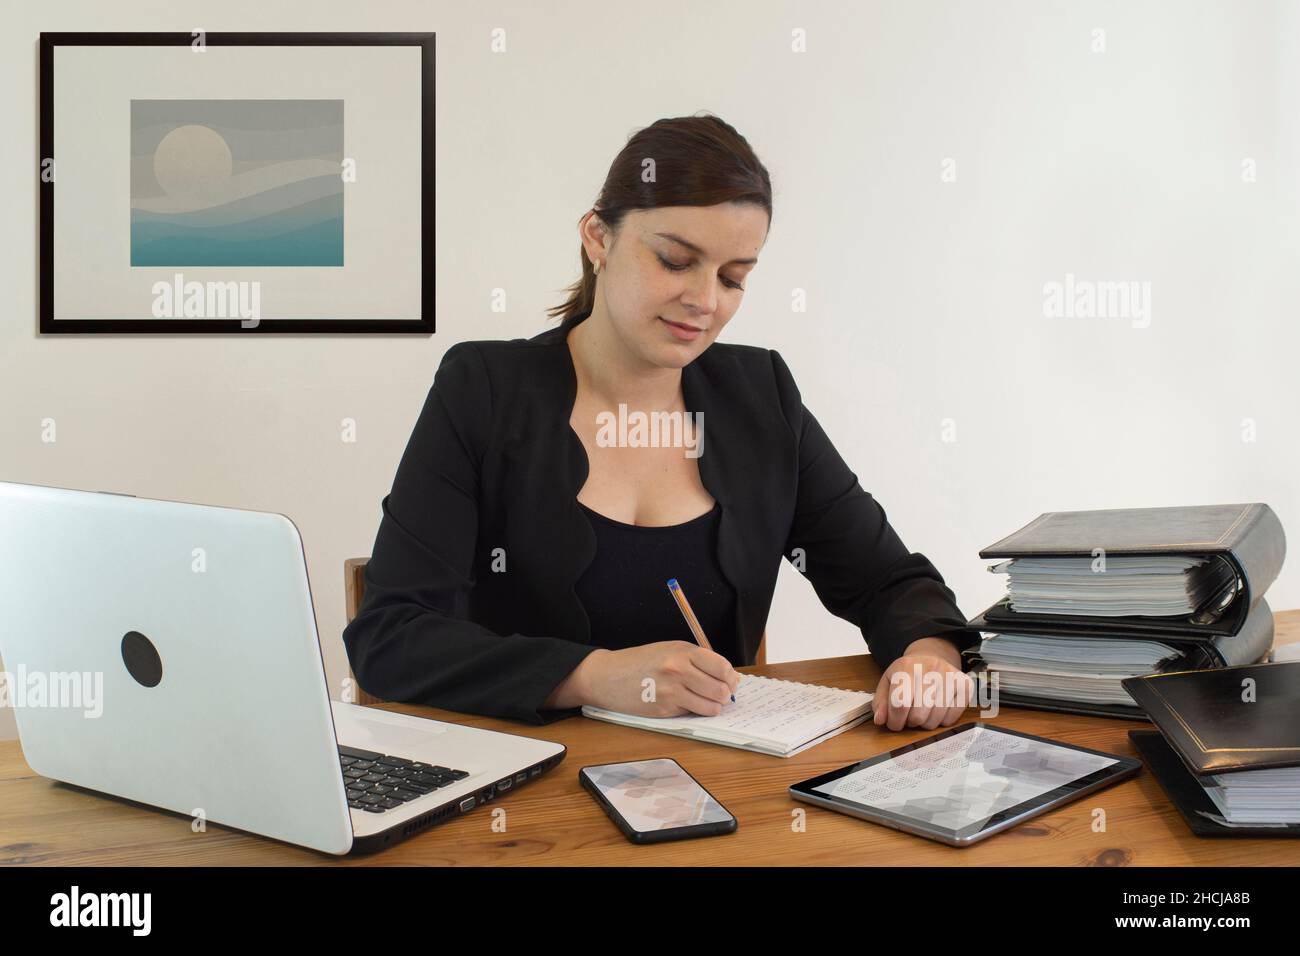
610	373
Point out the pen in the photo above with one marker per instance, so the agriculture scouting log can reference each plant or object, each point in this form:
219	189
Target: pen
691	620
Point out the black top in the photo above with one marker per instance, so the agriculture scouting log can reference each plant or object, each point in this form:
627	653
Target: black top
625	590
470	601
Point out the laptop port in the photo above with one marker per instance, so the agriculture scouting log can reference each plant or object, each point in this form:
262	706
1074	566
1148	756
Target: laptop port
467	805
504	784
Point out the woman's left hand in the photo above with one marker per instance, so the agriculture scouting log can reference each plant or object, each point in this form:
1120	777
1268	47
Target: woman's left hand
907	697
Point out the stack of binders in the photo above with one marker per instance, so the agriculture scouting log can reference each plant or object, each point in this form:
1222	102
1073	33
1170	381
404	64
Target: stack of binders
1227	748
1095	598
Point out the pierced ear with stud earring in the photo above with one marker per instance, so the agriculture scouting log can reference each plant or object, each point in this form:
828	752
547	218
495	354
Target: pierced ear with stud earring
595	267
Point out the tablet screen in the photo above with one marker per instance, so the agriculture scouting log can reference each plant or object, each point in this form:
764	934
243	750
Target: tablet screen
959	782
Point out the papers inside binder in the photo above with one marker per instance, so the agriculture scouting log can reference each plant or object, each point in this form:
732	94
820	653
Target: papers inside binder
1163	585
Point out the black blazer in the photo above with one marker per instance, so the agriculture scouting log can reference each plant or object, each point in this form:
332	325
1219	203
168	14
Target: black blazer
469	596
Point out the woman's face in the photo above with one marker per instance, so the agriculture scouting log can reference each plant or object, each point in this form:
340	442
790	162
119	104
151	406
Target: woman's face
674	276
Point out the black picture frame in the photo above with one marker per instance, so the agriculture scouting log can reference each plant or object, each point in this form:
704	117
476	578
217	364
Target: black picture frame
423	324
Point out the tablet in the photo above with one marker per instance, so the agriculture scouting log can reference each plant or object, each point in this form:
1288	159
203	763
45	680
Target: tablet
965	783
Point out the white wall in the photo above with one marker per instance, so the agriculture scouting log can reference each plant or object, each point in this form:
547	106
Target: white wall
925	297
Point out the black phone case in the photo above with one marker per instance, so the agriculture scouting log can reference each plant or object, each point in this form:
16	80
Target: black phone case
659	836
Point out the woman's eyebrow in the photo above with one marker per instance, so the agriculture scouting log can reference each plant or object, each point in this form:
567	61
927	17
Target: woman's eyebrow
697	250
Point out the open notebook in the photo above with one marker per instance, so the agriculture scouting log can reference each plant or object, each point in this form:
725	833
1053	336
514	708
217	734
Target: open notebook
770	716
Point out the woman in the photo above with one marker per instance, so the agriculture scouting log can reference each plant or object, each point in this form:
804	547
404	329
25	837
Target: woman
520	565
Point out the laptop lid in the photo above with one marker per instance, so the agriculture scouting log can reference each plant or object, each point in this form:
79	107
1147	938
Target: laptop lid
167	653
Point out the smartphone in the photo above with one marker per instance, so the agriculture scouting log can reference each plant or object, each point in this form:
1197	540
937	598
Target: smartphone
653	801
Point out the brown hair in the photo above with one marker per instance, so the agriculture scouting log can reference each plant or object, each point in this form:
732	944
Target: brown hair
698	161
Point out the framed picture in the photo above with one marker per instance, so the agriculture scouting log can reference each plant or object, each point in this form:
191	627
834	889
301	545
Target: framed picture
237	182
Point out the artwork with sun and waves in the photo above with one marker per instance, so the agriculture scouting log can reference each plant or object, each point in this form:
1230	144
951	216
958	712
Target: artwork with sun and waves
236	183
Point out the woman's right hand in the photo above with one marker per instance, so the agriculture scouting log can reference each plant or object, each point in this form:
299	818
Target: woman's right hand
664	679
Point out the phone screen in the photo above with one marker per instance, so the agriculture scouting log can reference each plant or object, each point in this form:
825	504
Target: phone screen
655	795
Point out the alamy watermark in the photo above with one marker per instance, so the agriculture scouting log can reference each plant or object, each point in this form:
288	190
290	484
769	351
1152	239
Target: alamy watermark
651	430
916	687
75	908
179	299
65	689
1098	299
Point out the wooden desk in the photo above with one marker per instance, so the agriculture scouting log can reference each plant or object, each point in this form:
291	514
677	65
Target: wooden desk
554	822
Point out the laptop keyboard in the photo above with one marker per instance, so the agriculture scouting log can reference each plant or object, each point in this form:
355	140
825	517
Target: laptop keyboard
378	782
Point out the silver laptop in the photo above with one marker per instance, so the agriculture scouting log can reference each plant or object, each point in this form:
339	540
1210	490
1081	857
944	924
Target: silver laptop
167	653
